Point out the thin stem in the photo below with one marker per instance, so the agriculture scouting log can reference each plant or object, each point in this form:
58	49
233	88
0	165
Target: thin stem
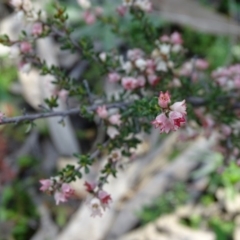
73	111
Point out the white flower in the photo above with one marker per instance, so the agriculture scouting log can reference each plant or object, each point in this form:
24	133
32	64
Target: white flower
95	207
25	68
112	132
116	155
43	16
165	49
20	16
161	66
103	56
85	4
127	3
14	51
27	5
127	67
141	64
179	107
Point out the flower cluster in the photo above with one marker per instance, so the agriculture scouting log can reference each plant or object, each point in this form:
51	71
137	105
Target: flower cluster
193	68
114	119
61	191
25	10
228	77
137	69
100	200
173	117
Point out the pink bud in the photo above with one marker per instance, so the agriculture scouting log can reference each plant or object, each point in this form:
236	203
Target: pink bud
201	64
89	17
114	77
102	112
164	99
121	10
37	29
98	11
25	47
176	38
164	38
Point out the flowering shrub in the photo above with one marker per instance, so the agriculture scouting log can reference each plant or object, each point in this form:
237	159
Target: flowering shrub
158	86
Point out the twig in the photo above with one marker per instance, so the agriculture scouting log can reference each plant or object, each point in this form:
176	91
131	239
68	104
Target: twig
73	111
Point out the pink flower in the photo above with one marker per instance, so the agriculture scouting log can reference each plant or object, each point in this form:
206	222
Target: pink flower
89	17
134	54
105	198
164	38
113	77
129	83
226	130
163	123
46	184
98	11
102	112
179	107
63	94
201	64
37	29
115	119
164	99
121	10
176	38
95	207
90	186
177	119
64	193
153	79
25	47
236	82
141	81
150	66
16	3
59	197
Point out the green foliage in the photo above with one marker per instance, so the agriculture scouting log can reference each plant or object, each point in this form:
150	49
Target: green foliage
17	207
215	49
7	76
223	229
164	204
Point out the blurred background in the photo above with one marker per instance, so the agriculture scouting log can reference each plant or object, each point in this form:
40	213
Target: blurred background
173	190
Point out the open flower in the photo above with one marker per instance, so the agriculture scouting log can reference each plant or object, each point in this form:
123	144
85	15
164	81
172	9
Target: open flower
115	119
63	193
105	199
95	207
90	186
112	132
179	107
